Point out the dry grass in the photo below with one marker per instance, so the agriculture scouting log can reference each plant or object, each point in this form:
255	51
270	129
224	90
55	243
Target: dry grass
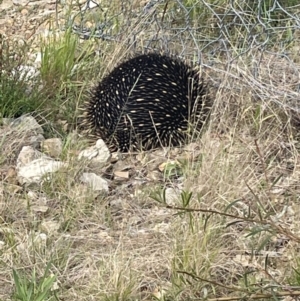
237	236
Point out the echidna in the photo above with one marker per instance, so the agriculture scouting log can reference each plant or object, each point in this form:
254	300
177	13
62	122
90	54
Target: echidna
146	102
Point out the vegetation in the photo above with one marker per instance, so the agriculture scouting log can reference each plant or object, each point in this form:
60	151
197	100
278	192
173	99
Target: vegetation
221	221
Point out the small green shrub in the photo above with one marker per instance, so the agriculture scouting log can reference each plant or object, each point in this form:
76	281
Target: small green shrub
18	89
33	289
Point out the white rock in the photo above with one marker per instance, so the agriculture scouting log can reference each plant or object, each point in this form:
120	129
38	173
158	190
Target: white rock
26	72
172	196
89	5
95	182
27	155
98	155
32	195
34	171
41	237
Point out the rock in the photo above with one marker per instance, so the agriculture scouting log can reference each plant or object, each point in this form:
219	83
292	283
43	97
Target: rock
98	155
24	12
26	72
34	171
52	147
95	182
27	123
50	227
172	196
33	165
6	4
35	141
20	2
27	155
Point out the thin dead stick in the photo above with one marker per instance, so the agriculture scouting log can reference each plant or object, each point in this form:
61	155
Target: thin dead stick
248	295
279	228
257	296
213	282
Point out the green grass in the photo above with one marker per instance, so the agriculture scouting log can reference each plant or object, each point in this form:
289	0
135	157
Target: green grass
18	87
33	289
58	62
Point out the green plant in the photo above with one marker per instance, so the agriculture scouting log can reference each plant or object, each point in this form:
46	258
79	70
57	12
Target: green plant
159	195
14	99
295	277
65	69
18	88
33	289
58	58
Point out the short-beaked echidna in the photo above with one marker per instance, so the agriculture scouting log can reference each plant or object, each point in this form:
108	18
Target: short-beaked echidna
146	102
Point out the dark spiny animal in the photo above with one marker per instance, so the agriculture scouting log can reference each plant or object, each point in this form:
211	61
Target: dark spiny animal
146	102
